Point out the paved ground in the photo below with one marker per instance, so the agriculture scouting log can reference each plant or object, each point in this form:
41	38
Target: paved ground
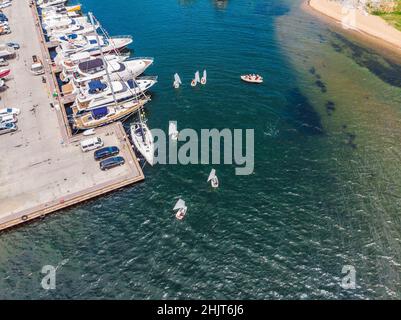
38	168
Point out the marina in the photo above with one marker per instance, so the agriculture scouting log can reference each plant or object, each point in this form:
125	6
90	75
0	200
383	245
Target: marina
323	192
43	167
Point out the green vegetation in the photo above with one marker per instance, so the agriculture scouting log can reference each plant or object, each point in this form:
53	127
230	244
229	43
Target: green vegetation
393	17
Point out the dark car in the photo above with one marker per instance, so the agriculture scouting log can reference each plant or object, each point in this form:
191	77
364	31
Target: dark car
111	163
106	152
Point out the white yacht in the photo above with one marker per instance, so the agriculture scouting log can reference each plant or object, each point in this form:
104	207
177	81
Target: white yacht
61	24
89	43
118	70
70	65
99	93
70	32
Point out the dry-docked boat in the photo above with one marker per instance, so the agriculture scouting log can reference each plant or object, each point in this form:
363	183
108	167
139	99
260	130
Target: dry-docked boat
105	115
89	43
96	69
97	93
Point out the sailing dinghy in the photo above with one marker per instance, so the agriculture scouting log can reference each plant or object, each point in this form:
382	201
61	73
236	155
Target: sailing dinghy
177	81
182	209
172	130
196	80
204	78
214	181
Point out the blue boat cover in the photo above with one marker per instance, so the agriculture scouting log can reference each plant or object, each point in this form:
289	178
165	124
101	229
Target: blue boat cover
99	112
92	41
132	84
96	86
72	36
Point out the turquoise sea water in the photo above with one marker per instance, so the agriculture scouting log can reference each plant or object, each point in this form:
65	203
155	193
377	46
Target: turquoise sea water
325	191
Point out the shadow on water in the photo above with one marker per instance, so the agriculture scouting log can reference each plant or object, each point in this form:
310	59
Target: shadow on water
306	119
385	69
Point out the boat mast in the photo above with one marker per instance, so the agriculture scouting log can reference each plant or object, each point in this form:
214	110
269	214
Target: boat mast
102	56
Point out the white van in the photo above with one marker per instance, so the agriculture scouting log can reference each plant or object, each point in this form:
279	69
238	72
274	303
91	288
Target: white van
91	144
8	118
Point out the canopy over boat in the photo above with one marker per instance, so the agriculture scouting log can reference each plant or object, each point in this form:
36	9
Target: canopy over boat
91	64
96	86
99	112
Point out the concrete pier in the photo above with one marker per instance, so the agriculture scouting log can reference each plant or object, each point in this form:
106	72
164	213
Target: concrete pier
42	168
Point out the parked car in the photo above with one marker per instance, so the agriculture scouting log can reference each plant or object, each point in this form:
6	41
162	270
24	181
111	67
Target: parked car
13	45
106	152
111	163
8	118
7	111
3	62
7	128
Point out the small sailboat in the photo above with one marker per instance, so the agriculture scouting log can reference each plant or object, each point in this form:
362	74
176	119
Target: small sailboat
143	140
182	209
196	80
204	78
214	181
172	130
177	81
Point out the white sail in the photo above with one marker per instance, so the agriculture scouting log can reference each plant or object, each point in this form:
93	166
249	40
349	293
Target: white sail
197	78
177	79
179	205
172	128
204	78
211	175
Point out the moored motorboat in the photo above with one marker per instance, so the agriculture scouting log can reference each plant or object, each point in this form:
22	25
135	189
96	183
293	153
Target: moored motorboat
105	115
99	93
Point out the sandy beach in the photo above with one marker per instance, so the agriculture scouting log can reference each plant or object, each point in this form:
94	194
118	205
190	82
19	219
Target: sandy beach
357	20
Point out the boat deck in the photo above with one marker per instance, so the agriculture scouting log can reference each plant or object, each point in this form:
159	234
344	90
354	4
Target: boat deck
42	168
